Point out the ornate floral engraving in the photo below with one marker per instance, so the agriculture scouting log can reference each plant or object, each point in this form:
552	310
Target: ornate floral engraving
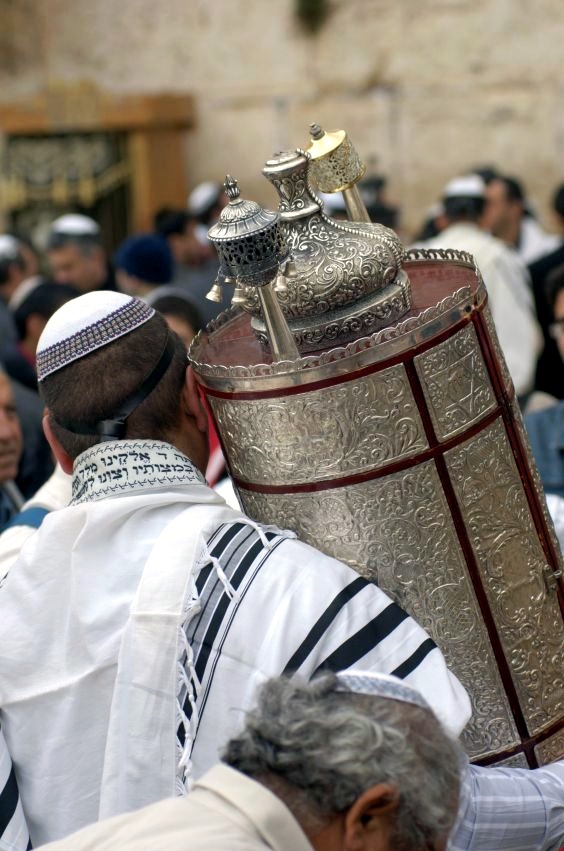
368	315
339	169
506	378
398	531
455	382
341	430
337	264
551	749
512	566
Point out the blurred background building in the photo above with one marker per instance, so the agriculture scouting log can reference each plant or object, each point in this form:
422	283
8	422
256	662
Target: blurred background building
117	109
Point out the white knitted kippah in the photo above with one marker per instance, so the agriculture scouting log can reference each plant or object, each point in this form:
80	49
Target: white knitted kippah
85	324
202	197
469	186
75	224
9	247
381	685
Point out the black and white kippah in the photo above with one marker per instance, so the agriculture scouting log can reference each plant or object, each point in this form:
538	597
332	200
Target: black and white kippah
380	685
85	324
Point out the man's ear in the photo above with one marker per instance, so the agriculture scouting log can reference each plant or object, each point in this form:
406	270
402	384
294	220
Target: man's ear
191	402
367	822
60	454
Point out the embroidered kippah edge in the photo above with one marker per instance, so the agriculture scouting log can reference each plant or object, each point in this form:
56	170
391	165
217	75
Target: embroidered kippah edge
376	687
87	340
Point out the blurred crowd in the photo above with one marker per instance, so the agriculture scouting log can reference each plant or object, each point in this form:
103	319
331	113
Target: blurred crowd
173	267
484	212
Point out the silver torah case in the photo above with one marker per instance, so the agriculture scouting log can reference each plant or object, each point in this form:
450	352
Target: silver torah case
390	438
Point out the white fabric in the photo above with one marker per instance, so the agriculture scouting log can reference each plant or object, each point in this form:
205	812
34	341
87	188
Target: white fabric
469	186
534	242
85	324
23	290
9	247
556	509
14	835
75	224
510	298
88	706
203	197
55	493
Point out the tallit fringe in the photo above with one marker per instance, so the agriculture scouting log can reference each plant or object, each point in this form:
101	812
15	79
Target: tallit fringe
188	685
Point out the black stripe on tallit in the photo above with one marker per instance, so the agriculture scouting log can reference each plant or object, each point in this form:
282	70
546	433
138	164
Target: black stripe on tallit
219	547
259	563
237	576
323	623
235	570
365	640
415	659
230	547
8	801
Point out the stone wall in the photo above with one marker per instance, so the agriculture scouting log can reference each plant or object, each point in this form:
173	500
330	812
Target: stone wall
425	88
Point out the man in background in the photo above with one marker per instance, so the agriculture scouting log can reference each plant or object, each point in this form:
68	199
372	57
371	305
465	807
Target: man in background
11	447
76	254
143	263
195	260
546	426
12	275
505	277
550	368
506	216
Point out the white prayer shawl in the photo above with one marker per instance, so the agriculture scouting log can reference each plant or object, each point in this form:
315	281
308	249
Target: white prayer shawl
147	609
14	835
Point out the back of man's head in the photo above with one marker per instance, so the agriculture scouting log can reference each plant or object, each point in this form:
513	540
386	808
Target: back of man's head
143	261
97	354
513	188
464	199
321	746
170	222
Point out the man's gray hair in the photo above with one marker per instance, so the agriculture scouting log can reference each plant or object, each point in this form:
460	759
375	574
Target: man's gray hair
319	748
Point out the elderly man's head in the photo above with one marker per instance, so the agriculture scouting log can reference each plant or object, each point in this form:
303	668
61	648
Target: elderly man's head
11	441
359	760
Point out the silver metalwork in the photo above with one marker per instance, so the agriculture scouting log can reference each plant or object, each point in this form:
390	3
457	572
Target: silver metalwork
388	342
251	248
278	335
274	441
248	239
399	532
399	450
512	561
336	167
456	383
